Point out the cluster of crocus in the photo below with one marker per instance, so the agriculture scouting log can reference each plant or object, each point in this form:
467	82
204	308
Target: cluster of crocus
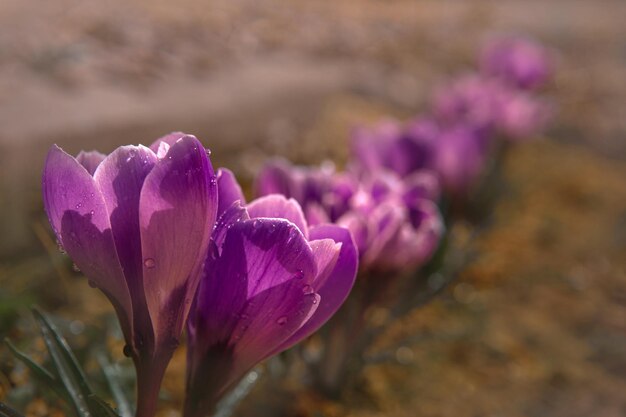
467	117
176	246
395	222
399	174
173	245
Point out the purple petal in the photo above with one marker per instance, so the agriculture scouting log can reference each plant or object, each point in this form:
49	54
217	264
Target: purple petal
80	220
120	178
416	241
233	214
276	206
229	190
421	184
254	294
275	178
177	211
90	160
384	222
334	285
315	214
169	140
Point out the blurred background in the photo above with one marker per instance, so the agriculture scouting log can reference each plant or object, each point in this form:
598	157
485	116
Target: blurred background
537	324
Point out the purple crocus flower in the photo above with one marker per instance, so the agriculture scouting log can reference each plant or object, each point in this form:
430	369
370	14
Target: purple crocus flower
490	106
522	116
395	223
458	157
386	145
470	99
383	211
269	281
322	192
137	223
518	61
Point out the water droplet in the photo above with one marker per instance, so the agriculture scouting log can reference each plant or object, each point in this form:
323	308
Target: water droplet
281	320
299	274
60	247
213	181
92	284
75	268
315	301
128	351
149	263
208	152
79	205
92	212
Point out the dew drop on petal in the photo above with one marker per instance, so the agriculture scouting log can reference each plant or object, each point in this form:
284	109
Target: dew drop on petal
208	152
299	274
281	320
149	263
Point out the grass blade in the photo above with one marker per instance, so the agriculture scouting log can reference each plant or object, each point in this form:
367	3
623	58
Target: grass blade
67	368
6	411
100	408
40	373
124	408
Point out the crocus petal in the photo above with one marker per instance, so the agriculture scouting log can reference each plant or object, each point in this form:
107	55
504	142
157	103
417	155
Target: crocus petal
177	211
90	160
315	214
416	242
233	214
421	184
229	190
383	224
276	206
332	286
79	217
275	178
254	294
120	178
169	140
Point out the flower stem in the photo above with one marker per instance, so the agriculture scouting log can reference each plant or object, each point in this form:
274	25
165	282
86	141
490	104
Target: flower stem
150	374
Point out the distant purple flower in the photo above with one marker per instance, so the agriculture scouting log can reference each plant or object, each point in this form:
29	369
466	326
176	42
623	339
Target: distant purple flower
269	282
517	61
488	105
472	100
322	192
522	116
458	157
386	145
395	224
137	223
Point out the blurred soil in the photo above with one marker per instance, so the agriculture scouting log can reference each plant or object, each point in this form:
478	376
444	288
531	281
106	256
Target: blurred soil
536	326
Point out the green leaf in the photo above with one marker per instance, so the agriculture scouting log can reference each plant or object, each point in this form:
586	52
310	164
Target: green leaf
99	407
41	374
6	411
66	365
111	376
